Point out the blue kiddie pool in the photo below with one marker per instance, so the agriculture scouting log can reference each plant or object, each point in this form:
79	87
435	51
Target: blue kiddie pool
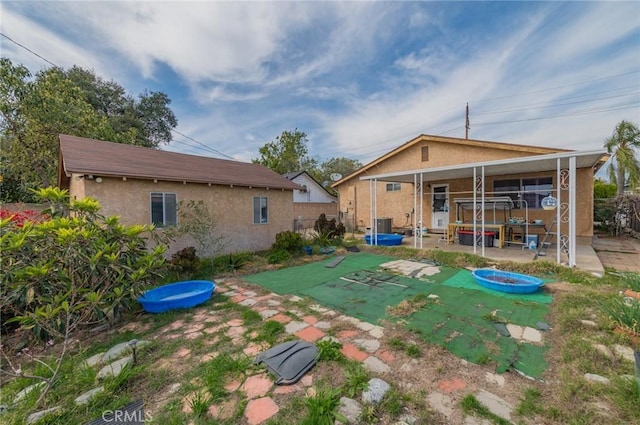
176	295
384	239
513	283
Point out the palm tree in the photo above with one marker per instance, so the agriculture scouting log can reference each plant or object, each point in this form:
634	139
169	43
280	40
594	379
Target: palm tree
622	144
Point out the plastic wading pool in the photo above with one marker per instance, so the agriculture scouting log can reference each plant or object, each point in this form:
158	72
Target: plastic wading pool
514	283
384	239
186	294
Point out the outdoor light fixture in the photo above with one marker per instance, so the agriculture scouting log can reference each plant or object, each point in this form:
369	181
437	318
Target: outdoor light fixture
549	203
98	179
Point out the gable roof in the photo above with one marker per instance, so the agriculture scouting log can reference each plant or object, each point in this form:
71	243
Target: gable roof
88	156
292	176
532	150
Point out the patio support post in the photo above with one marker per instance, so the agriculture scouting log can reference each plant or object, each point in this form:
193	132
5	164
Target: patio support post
415	210
482	210
422	226
475	207
572	211
558	196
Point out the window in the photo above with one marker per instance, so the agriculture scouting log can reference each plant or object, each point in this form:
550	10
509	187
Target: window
164	209
393	187
260	210
535	189
531	190
425	153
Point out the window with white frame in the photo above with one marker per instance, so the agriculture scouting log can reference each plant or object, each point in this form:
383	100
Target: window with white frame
532	190
260	210
393	187
164	209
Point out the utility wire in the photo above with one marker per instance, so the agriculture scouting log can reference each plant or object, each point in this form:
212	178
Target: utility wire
29	50
210	149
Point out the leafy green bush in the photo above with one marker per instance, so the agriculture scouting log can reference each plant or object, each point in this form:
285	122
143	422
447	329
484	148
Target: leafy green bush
73	268
288	241
280	256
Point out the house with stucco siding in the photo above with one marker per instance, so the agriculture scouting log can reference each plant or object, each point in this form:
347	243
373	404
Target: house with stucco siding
434	182
249	202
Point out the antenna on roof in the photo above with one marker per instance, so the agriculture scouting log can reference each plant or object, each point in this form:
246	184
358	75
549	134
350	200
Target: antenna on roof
335	177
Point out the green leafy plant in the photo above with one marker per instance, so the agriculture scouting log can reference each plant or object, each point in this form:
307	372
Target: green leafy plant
279	256
624	313
356	379
270	331
288	241
329	350
322	408
75	268
199	404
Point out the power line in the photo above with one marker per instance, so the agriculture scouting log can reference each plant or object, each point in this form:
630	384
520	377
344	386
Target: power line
29	50
210	149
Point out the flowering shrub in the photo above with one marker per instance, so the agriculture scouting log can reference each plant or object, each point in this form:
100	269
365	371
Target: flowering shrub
19	218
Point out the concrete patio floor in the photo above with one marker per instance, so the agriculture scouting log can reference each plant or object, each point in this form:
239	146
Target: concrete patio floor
592	254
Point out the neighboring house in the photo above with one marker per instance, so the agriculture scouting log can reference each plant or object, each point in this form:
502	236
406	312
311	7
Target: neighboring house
311	200
250	203
417	184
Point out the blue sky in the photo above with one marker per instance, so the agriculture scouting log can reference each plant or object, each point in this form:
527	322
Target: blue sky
360	78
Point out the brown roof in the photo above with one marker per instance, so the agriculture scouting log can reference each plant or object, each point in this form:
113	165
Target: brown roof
88	156
533	150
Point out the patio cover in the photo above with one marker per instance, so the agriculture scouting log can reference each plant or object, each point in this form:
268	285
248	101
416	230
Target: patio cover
479	170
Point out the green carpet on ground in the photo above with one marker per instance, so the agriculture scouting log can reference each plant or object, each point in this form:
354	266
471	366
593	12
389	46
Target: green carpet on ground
294	280
458	320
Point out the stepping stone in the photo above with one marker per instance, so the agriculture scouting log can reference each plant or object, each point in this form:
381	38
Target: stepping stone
515	331
350	409
257	386
121	349
260	410
95	359
494	378
495	404
377	332
531	335
250	294
606	351
624	352
35	417
596	378
26	391
310	334
273	303
375	392
268	313
323	325
295	298
114	368
352	352
452	385
248	302
369	345
86	397
376	365
295	326
441	403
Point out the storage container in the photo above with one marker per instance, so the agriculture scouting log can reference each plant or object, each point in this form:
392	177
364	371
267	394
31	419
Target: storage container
467	237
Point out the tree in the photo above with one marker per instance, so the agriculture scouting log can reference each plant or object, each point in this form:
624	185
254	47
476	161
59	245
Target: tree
33	114
342	166
34	110
622	144
287	154
147	121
